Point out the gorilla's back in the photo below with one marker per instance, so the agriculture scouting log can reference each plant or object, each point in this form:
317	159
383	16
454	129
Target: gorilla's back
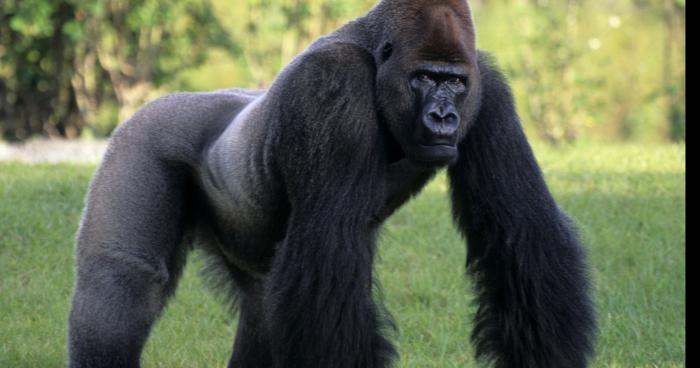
166	149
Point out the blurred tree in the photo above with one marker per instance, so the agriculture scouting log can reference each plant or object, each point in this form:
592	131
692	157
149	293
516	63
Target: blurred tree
35	68
674	54
272	32
69	62
612	69
542	62
605	69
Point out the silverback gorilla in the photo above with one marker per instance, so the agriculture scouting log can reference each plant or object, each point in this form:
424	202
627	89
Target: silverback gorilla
287	188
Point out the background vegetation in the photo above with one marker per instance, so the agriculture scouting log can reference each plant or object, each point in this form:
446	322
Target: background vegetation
581	69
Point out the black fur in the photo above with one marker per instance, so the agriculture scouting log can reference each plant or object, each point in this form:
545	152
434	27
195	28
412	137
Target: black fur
286	189
528	266
318	297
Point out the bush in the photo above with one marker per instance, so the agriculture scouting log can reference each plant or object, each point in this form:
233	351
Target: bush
580	69
70	64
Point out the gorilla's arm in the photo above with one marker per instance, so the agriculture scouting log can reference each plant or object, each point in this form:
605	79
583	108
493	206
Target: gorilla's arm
534	304
319	293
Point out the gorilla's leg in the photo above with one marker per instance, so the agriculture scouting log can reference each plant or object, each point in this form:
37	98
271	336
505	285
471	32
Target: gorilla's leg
129	255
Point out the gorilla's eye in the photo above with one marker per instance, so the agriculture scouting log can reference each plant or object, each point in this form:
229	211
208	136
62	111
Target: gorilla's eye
455	81
387	50
457	84
422	80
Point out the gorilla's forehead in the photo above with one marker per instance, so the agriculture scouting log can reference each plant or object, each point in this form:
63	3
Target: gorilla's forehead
442	32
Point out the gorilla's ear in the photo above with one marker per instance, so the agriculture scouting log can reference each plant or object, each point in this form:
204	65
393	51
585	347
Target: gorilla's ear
387	51
528	266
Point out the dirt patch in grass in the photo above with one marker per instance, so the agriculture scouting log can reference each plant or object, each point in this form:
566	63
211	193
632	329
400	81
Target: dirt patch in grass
53	151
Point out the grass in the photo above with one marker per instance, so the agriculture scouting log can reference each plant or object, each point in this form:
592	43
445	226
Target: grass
629	201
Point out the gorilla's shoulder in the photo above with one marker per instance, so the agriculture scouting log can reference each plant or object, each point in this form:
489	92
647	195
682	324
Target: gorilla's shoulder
327	62
338	52
323	73
326	93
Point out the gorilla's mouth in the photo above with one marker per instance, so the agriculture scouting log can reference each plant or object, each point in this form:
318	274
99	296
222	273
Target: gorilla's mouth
428	154
434	154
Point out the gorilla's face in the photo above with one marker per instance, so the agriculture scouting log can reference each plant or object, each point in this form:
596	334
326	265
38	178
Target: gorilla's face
427	87
438	91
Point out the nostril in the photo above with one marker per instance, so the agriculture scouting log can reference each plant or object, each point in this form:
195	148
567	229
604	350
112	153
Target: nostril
435	116
450	116
442	116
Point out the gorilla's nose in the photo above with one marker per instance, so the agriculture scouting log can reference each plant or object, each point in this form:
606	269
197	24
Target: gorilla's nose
441	121
442	114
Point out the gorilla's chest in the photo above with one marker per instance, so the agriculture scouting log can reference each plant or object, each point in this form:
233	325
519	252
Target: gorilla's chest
248	219
245	208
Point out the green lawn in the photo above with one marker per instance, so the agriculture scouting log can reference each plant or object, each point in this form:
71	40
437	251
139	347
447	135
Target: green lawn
628	200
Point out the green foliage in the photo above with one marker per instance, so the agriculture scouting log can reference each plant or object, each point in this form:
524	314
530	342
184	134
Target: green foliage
603	70
629	202
269	34
610	70
68	63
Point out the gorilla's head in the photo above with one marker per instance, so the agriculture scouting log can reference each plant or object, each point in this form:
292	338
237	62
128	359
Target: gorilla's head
427	79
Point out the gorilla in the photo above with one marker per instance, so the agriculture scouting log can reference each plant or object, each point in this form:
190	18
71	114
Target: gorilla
285	189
